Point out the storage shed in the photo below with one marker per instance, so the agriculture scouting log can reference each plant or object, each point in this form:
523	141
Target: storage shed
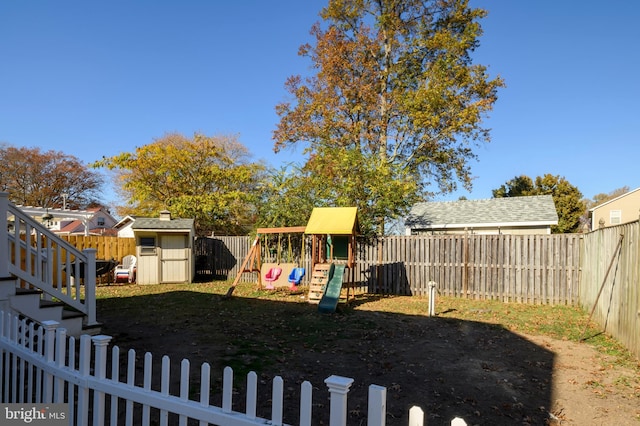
164	248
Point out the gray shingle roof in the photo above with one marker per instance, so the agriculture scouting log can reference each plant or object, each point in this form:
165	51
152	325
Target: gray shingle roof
160	224
538	209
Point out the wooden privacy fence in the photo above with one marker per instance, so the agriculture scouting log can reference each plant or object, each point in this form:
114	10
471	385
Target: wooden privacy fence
610	282
521	268
518	268
107	248
39	366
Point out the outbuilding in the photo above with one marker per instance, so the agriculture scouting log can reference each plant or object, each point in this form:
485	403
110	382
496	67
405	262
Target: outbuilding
534	214
164	248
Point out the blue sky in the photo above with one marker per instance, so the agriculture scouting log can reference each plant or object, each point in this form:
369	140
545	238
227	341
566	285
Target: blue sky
95	79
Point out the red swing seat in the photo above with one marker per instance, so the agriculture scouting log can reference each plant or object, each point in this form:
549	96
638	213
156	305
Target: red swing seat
272	276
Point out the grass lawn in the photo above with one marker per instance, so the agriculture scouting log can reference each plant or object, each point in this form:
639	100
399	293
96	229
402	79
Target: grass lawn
176	303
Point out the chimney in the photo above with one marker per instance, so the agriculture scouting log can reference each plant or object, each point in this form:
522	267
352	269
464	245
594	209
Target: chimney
165	215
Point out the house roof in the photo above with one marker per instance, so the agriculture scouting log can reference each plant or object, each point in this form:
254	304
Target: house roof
124	221
333	220
509	211
157	224
614	199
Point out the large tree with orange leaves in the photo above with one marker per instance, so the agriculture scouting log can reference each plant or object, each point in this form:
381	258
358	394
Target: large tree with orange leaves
52	179
395	107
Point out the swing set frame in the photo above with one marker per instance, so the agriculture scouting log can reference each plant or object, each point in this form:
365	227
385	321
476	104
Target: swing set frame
252	262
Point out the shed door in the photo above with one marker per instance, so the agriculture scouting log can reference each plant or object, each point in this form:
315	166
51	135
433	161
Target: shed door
173	259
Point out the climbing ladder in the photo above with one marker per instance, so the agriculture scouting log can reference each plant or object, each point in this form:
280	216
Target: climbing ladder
322	273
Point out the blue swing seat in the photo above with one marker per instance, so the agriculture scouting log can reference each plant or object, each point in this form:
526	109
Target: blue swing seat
296	276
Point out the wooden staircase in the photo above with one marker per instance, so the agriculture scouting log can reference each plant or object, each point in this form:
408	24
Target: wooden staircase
320	277
39	272
29	303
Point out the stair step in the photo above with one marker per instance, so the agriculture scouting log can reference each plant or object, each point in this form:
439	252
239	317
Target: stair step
28	302
23	291
67	314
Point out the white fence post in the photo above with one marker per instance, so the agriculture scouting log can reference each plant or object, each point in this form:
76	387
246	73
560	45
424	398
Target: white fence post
338	387
416	416
277	400
377	406
49	353
306	392
115	373
4	236
61	354
252	395
90	286
185	367
227	389
84	371
71	388
100	343
432	298
164	387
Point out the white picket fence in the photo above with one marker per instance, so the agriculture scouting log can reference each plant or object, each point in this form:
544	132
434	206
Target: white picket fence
38	365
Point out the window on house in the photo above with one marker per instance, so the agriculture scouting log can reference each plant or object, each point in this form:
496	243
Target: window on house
147	245
101	221
615	217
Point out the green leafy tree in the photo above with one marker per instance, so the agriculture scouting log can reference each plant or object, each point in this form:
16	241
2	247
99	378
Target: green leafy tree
567	198
47	179
395	107
206	178
519	186
285	199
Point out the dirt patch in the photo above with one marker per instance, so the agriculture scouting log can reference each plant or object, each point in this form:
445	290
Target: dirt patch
588	388
449	367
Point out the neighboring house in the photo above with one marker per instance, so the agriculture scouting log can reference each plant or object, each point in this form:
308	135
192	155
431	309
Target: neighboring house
125	227
509	215
93	221
622	209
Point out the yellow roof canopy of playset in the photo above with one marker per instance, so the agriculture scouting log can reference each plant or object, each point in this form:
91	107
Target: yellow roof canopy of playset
333	221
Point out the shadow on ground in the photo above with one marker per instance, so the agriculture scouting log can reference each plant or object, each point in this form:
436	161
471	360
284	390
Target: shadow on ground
477	371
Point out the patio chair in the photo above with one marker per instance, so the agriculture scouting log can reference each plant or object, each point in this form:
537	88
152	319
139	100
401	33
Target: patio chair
126	271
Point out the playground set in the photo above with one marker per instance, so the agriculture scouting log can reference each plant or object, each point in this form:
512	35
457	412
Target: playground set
332	232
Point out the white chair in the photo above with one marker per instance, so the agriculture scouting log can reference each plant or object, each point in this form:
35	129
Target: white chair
126	271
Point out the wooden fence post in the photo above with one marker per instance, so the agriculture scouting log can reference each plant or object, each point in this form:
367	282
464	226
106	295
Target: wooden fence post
604	281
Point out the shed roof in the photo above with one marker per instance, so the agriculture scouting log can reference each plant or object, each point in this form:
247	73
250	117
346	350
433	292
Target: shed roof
333	220
156	224
508	211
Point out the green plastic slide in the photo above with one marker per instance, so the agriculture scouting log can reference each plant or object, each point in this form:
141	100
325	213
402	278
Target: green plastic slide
331	296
